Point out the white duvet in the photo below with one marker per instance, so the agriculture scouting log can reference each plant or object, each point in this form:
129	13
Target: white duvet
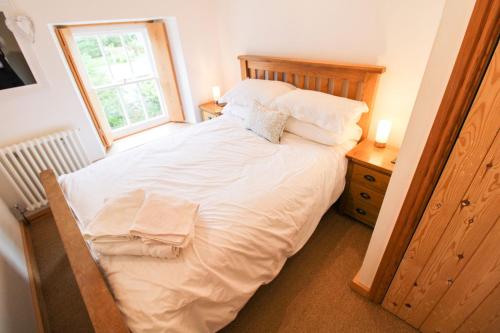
259	203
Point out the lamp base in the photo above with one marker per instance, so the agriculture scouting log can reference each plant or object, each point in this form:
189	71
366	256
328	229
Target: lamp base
379	144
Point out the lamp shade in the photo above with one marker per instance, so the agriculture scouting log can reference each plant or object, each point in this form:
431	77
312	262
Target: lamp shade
383	132
216	93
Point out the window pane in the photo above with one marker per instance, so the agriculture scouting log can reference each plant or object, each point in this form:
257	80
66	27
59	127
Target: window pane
136	49
117	57
110	102
149	91
132	103
93	60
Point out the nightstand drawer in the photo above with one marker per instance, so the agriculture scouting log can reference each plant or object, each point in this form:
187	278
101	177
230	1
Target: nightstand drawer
369	178
208	115
361	211
364	195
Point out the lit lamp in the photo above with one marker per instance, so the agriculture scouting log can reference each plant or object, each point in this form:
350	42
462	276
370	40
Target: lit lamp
383	131
216	94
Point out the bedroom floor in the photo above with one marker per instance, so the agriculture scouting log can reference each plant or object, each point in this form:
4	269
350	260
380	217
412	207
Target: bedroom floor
311	294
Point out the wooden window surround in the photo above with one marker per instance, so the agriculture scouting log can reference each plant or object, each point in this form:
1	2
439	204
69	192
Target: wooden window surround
160	52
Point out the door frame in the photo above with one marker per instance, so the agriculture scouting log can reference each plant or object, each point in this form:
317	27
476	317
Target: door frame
477	48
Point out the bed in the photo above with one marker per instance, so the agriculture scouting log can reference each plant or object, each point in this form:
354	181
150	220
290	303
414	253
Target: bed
259	204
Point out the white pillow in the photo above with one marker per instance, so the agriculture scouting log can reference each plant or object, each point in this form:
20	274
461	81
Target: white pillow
317	134
263	91
266	123
240	111
326	111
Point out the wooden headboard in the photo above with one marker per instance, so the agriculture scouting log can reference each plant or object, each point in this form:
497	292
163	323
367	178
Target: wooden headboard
357	82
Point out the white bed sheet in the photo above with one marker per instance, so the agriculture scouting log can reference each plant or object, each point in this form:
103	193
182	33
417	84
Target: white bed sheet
259	203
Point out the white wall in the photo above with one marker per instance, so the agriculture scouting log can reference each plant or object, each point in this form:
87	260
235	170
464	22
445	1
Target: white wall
456	15
55	104
396	34
16	308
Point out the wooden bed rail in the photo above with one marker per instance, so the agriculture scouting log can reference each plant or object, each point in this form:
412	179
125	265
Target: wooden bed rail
100	304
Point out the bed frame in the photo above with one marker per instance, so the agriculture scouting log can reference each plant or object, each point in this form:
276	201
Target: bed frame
352	81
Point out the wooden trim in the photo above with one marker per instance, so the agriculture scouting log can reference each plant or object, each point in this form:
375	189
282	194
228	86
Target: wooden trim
41	318
144	130
99	24
446	242
163	58
100	304
319	64
369	93
360	81
33	217
477	48
359	287
64	35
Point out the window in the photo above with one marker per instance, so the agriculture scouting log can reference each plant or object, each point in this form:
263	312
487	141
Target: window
125	75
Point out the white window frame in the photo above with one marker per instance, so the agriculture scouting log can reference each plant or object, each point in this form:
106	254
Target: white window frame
122	29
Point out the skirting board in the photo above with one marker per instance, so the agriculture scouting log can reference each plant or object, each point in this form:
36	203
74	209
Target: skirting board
34	216
358	287
42	324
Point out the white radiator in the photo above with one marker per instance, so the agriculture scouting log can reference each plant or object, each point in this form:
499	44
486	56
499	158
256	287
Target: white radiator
22	163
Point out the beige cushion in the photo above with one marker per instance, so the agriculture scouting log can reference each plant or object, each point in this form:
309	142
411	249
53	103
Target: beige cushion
265	122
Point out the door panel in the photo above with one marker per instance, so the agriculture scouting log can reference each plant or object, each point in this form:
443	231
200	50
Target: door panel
466	231
461	215
486	317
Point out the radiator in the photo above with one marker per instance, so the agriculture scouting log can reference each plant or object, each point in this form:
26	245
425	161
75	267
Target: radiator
22	163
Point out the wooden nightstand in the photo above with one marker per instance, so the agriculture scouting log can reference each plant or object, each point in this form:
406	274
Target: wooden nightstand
368	175
210	110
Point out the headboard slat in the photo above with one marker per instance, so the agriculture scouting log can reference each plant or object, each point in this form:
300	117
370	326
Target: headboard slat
299	81
338	85
252	73
311	83
347	80
323	85
352	89
260	73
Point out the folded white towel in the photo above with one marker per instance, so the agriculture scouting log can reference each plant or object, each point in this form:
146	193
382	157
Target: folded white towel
113	221
136	247
165	219
139	223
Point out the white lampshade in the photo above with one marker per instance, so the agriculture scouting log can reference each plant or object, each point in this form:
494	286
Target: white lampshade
383	132
216	93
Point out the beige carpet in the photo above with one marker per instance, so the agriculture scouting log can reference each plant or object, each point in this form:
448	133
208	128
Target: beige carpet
64	307
311	294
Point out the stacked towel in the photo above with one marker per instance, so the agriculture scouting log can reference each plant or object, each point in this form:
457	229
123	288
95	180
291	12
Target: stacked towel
143	224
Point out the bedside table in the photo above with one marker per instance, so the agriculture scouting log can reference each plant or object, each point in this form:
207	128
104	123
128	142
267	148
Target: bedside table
368	175
210	110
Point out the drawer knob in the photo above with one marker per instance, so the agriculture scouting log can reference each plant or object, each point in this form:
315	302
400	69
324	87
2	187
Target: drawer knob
370	178
365	195
361	211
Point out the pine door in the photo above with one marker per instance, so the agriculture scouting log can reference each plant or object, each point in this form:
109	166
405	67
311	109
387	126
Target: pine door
449	279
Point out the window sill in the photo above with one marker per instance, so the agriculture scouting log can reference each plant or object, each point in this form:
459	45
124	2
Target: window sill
143	137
